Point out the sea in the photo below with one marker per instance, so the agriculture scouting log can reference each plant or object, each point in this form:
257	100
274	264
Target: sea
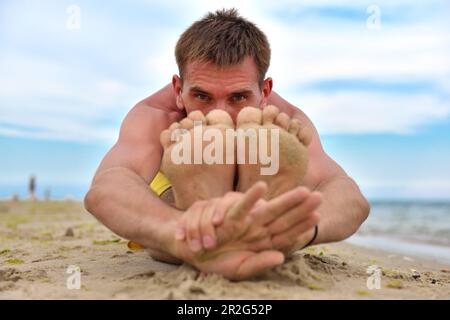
409	228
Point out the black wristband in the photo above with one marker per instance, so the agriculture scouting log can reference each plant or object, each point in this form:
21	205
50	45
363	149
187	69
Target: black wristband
316	231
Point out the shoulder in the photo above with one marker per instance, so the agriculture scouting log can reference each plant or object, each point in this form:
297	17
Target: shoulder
150	116
163	100
322	166
291	110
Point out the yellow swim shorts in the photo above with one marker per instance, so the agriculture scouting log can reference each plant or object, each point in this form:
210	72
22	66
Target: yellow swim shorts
159	184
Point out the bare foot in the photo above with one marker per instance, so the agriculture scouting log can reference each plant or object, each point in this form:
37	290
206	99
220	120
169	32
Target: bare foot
293	155
198	181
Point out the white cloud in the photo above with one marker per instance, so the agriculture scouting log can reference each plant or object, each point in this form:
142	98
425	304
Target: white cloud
44	100
102	70
350	112
66	131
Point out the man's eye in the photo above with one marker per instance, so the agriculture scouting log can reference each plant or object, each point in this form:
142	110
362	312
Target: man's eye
202	97
239	98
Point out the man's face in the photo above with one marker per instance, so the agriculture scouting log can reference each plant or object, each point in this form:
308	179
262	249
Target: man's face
206	87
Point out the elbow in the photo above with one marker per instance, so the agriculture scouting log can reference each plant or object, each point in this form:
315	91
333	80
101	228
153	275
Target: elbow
92	199
89	200
360	214
97	193
363	210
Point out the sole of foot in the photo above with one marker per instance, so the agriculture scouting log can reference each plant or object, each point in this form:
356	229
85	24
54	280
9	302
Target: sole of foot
293	139
197	181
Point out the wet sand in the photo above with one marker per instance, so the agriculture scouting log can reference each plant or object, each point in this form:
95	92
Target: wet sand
40	240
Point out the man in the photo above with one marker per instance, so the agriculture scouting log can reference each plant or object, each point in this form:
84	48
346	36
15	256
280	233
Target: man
222	61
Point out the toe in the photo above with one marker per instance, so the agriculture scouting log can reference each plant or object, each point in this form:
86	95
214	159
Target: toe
305	135
174	125
187	123
283	120
249	115
166	135
218	116
164	138
294	126
270	113
197	116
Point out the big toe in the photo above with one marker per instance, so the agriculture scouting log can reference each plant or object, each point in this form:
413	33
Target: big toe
249	115
220	117
197	117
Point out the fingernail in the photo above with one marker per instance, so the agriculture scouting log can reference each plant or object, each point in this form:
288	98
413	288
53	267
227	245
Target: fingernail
208	242
195	245
179	234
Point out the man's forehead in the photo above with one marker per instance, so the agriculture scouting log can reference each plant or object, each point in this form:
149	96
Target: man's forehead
244	89
244	71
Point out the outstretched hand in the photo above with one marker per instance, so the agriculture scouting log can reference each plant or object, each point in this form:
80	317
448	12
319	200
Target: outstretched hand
249	228
235	255
288	219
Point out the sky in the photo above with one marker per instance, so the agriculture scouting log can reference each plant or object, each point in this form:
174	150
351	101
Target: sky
373	76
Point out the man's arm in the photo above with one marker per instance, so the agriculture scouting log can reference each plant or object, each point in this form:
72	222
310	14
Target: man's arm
119	195
343	208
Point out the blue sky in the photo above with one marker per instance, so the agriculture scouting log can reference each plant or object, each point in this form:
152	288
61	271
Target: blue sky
379	93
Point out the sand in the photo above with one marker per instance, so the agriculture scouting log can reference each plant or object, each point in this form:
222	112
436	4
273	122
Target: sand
40	240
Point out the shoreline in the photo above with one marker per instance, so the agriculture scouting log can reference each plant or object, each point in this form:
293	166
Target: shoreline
393	245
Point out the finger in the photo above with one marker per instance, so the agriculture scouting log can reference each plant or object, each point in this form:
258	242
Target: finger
260	202
226	202
268	212
287	240
246	203
193	217
207	231
257	263
296	215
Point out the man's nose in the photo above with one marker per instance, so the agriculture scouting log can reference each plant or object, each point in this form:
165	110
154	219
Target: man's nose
221	106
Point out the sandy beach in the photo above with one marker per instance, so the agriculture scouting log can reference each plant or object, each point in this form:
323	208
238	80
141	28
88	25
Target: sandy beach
40	240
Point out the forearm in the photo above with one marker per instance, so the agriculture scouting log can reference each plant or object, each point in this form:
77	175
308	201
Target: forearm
342	211
122	201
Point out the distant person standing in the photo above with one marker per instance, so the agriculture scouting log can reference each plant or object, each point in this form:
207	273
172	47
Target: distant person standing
32	187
